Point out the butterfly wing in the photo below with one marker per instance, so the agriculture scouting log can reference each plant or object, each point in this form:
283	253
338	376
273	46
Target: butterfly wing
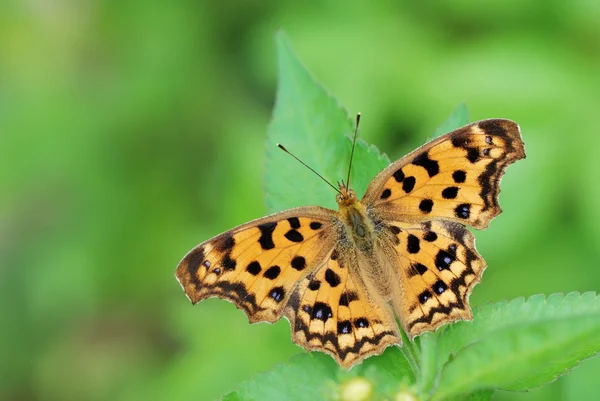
455	177
439	266
331	312
424	200
257	265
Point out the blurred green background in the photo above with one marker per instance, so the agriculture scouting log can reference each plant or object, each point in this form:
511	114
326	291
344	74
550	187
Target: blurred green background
131	131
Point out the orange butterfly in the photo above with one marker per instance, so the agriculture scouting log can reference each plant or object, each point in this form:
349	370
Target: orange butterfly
341	277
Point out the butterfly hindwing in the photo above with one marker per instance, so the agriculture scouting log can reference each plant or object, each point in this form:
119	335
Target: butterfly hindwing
455	177
438	267
330	311
257	265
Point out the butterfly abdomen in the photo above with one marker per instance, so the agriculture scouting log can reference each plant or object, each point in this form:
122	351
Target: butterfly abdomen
361	231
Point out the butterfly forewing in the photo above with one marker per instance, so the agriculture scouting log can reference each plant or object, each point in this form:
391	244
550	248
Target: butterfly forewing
455	177
331	312
257	265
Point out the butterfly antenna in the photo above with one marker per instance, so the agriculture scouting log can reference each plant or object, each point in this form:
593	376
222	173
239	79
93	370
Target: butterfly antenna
280	146
353	145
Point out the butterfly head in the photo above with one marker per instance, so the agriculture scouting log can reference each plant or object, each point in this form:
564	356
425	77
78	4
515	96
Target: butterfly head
346	196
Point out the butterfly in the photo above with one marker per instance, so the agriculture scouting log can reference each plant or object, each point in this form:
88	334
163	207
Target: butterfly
403	251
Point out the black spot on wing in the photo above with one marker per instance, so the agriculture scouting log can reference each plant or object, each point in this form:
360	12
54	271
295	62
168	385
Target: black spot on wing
344	327
430	236
315	225
452	249
426	205
294	222
417	268
450	192
423	160
272	272
298	262
399	175
408	184
473	155
347	297
424	296
294	236
314	285
443	260
266	235
332	278
413	244
463	211
277	293
254	268
321	311
459	176
228	263
225	244
439	287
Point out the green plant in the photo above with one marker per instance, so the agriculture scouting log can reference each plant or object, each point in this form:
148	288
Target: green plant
510	345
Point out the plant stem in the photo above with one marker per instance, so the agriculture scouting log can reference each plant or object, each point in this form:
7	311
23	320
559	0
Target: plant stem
410	353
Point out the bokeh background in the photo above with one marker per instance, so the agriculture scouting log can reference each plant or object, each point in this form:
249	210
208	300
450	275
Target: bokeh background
131	131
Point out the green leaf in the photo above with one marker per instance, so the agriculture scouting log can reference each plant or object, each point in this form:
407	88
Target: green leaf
458	118
483	395
518	345
310	123
304	377
316	376
387	371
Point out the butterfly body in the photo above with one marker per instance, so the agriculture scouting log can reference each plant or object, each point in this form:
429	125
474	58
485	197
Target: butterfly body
356	226
342	277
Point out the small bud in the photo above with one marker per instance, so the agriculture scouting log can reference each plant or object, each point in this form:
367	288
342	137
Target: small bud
405	396
357	389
